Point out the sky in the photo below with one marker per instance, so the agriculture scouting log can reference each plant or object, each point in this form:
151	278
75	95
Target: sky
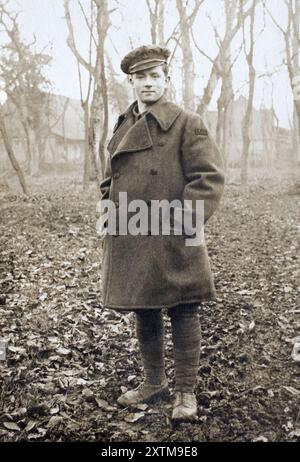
130	27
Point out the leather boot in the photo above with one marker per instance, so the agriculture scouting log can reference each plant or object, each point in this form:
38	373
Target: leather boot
144	393
150	335
184	407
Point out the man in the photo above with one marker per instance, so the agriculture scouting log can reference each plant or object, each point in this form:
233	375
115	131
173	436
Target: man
159	151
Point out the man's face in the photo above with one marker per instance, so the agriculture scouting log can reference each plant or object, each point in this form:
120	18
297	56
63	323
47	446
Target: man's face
149	84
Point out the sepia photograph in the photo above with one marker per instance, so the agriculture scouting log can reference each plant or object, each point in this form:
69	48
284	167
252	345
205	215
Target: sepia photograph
149	223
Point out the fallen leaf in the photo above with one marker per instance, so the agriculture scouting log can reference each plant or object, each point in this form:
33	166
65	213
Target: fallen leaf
260	439
31	424
141	406
55	420
63	351
12	426
251	325
43	297
295	433
247	292
292	390
102	404
81	382
134	417
54	410
16	349
87	393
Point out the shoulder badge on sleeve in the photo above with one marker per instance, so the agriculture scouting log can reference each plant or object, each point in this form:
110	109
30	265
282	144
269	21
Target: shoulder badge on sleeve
201	131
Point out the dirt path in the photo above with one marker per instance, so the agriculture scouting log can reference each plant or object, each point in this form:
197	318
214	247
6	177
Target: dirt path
67	359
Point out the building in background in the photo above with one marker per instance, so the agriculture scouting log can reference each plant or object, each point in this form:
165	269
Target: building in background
270	145
64	136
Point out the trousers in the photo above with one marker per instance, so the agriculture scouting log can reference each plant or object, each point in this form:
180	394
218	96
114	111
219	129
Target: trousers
186	338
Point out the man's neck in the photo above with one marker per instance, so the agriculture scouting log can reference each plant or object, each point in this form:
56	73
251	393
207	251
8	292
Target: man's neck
142	107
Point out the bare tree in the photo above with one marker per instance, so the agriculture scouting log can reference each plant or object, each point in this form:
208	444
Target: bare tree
188	71
246	124
95	102
292	42
118	92
233	27
24	83
226	98
156	10
10	153
103	25
87	65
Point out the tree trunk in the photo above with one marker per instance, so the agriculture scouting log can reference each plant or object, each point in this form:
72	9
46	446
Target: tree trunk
161	22
188	75
12	157
102	144
95	126
153	20
227	96
220	120
209	89
28	147
20	106
246	143
86	165
231	11
227	129
63	121
297	128
248	115
34	161
94	140
102	28
41	143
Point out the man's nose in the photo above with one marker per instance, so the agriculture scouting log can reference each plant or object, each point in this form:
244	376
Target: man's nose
148	82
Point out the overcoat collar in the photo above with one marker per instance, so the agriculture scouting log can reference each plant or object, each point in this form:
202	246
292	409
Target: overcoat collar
165	112
138	136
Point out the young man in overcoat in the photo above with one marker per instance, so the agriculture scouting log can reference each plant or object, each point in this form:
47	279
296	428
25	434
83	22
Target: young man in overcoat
159	151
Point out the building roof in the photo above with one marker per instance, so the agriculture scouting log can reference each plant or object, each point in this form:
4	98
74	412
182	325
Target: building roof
262	125
67	117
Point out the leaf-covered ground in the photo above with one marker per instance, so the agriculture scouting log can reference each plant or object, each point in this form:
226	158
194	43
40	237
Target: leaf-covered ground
67	360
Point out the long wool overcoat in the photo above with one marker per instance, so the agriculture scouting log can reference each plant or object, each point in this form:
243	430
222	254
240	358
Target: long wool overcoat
166	154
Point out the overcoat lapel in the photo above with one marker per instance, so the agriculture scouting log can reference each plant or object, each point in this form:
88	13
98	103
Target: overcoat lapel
135	139
131	137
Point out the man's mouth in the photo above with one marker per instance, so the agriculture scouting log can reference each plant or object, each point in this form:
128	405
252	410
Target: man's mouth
148	91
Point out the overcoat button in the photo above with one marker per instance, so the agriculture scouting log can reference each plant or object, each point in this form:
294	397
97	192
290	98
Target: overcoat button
161	143
153	171
116	175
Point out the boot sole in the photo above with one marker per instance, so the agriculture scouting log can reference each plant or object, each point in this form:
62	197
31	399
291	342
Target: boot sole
183	418
192	418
